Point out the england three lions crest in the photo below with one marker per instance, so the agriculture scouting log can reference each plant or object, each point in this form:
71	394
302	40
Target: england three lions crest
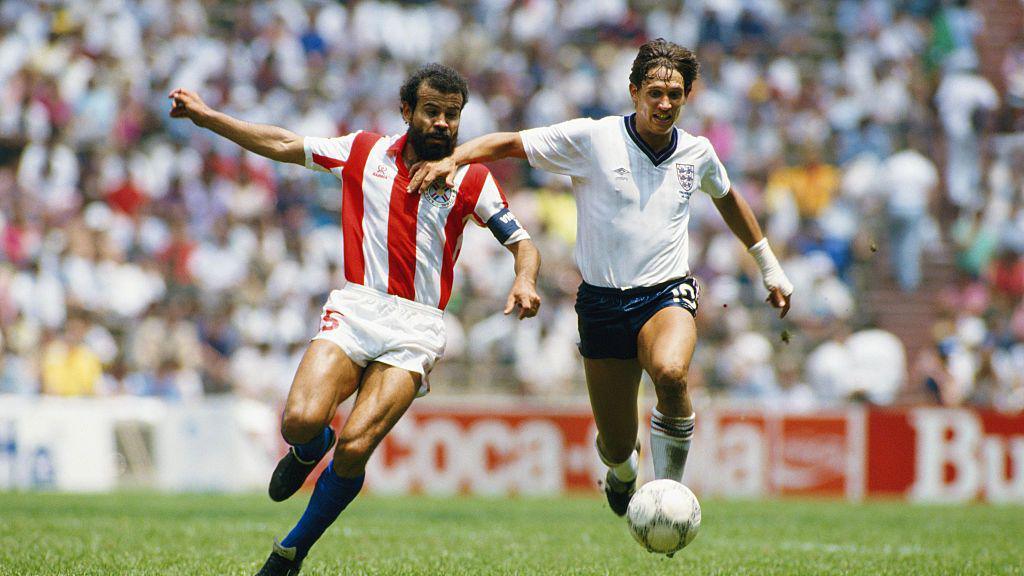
686	175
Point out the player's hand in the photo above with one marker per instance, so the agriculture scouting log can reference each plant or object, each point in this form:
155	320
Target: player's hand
423	173
188	104
779	300
523	297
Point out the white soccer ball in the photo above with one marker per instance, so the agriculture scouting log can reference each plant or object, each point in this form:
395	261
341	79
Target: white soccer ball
664	516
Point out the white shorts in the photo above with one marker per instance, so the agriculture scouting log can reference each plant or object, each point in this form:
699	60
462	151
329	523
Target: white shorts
371	326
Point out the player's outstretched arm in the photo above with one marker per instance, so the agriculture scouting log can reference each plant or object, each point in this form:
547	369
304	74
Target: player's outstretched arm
523	294
481	149
269	141
741	220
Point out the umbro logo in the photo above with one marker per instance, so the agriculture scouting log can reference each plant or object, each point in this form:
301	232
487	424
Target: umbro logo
621	171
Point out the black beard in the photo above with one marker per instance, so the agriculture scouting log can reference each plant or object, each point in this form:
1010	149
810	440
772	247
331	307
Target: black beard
430	149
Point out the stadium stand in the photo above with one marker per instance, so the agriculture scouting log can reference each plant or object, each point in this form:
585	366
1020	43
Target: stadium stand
140	256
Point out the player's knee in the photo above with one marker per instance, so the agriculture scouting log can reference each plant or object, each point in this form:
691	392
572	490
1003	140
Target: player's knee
670	379
300	425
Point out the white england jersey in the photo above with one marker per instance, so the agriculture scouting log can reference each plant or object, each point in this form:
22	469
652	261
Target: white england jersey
632	202
400	243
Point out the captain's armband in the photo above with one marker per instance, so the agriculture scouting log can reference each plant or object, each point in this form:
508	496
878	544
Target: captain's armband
506	228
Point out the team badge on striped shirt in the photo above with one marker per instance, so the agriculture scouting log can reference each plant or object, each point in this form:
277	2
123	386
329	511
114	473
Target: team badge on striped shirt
440	195
685	173
394	242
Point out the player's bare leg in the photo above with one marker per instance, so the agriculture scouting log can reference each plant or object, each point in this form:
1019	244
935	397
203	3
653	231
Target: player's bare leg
613	385
384	396
665	348
325	378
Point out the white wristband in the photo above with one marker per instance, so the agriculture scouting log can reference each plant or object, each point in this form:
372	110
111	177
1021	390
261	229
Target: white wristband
771	271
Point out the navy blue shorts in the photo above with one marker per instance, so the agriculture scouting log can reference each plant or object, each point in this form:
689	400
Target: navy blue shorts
610	319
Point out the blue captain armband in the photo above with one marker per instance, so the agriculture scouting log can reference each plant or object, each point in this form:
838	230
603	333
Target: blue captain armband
503	225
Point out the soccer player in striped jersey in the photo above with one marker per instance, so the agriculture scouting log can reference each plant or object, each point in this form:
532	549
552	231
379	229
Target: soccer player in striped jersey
382	331
633	177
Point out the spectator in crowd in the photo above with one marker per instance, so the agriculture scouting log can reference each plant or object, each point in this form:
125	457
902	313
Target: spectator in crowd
964	99
69	367
812	183
909	180
1013	75
108	209
19	358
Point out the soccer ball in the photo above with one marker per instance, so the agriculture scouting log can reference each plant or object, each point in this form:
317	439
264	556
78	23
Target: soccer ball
664	516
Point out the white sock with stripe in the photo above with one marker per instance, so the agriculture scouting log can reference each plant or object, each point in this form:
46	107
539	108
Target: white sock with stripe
670	444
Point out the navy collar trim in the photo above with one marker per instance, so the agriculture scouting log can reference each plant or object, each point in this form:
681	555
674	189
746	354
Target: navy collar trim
656	157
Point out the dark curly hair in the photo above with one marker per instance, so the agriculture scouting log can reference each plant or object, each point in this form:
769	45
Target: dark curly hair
439	77
661	53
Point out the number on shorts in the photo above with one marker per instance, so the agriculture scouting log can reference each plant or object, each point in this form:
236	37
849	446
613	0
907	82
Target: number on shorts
686	294
328	322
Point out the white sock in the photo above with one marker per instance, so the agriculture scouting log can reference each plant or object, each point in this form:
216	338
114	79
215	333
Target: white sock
627	470
670	444
624	471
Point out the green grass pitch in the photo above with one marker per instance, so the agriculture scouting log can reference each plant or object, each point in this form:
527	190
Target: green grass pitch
143	533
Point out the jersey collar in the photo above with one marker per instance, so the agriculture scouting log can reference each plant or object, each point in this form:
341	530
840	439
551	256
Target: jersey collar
656	157
396	151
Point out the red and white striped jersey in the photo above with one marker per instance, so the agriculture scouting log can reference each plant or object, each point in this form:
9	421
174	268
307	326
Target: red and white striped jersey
400	243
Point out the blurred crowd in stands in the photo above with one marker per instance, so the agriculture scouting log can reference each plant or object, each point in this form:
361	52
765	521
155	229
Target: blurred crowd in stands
140	255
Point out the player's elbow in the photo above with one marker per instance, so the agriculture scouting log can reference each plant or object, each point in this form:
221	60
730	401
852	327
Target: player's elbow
524	248
525	243
289	149
512	145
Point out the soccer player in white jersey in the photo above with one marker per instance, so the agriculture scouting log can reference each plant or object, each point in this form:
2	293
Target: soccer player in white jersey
382	331
633	177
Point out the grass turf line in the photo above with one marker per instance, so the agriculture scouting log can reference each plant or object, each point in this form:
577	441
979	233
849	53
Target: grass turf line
150	534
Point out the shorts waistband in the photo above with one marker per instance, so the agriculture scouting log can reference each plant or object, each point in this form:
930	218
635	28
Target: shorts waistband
403	302
635	291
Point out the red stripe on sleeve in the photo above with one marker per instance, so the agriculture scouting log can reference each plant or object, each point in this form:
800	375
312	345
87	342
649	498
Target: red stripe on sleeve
327	162
402	215
352	206
469	192
501	192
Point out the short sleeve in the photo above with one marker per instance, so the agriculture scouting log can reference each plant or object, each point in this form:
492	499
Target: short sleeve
328	154
714	180
492	210
560	148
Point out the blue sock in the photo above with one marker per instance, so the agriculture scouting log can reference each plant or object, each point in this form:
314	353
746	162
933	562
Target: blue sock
331	495
315	449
